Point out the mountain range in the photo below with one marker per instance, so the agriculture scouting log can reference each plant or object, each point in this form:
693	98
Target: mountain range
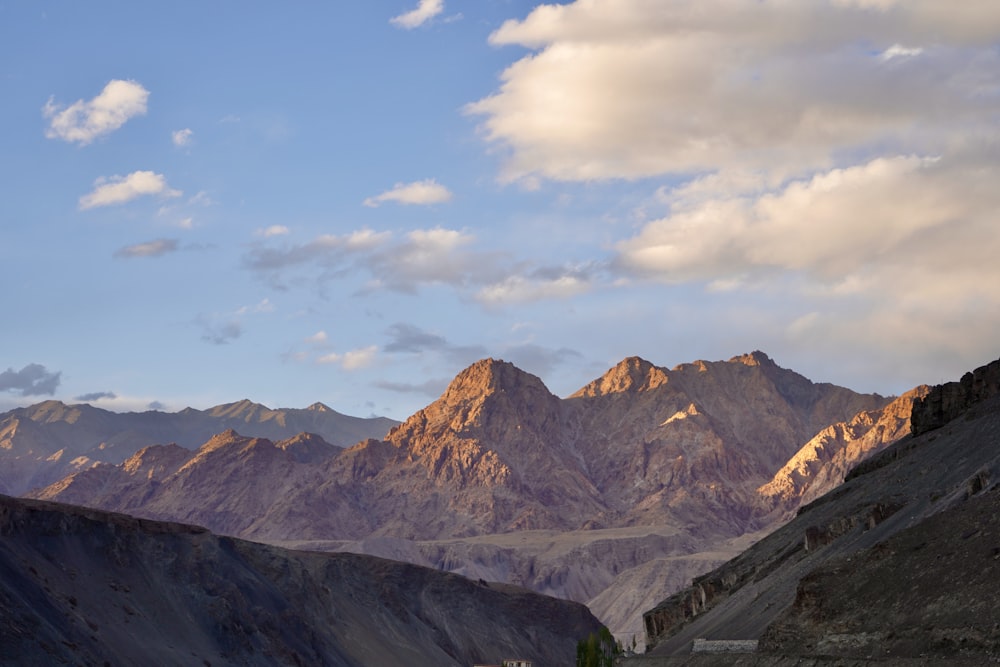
47	441
615	495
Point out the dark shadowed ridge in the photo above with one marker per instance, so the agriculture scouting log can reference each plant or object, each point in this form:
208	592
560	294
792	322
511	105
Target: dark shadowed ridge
90	587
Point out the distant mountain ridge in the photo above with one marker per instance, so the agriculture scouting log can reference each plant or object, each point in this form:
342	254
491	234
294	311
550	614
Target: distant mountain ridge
498	452
41	443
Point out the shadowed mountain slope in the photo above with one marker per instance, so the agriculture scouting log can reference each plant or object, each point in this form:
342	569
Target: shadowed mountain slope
89	587
897	562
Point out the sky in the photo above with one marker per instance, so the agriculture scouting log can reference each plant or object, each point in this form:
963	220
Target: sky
350	202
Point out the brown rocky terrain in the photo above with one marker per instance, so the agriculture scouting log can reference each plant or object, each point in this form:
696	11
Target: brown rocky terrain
614	496
898	564
43	443
87	587
824	461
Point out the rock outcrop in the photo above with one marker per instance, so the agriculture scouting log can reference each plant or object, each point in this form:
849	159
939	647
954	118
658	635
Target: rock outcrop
90	587
948	401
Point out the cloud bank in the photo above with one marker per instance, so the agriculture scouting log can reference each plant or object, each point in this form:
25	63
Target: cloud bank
828	162
83	121
638	88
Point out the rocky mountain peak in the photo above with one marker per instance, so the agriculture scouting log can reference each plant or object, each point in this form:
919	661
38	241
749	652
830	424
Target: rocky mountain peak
630	375
490	376
319	407
755	358
227	437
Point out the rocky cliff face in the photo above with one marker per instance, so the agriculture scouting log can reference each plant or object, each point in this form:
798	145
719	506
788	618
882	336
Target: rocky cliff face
227	484
947	401
889	563
823	463
45	442
89	587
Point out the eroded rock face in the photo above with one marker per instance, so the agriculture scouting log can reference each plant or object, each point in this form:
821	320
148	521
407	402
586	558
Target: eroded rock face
88	587
948	401
823	463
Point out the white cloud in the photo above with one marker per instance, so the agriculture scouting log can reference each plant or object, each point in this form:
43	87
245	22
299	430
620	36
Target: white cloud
892	260
350	361
523	289
84	121
828	227
317	338
429	256
424	192
421	258
182	138
639	88
121	189
273	230
425	11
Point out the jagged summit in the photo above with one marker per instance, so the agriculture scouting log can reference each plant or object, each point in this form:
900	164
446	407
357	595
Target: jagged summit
489	376
319	407
630	375
755	358
227	437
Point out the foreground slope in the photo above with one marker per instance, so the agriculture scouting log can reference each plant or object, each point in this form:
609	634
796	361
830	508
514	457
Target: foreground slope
899	561
88	587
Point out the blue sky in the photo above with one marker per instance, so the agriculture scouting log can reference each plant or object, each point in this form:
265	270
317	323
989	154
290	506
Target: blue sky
351	202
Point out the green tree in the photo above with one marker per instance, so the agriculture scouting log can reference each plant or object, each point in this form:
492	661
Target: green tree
599	649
